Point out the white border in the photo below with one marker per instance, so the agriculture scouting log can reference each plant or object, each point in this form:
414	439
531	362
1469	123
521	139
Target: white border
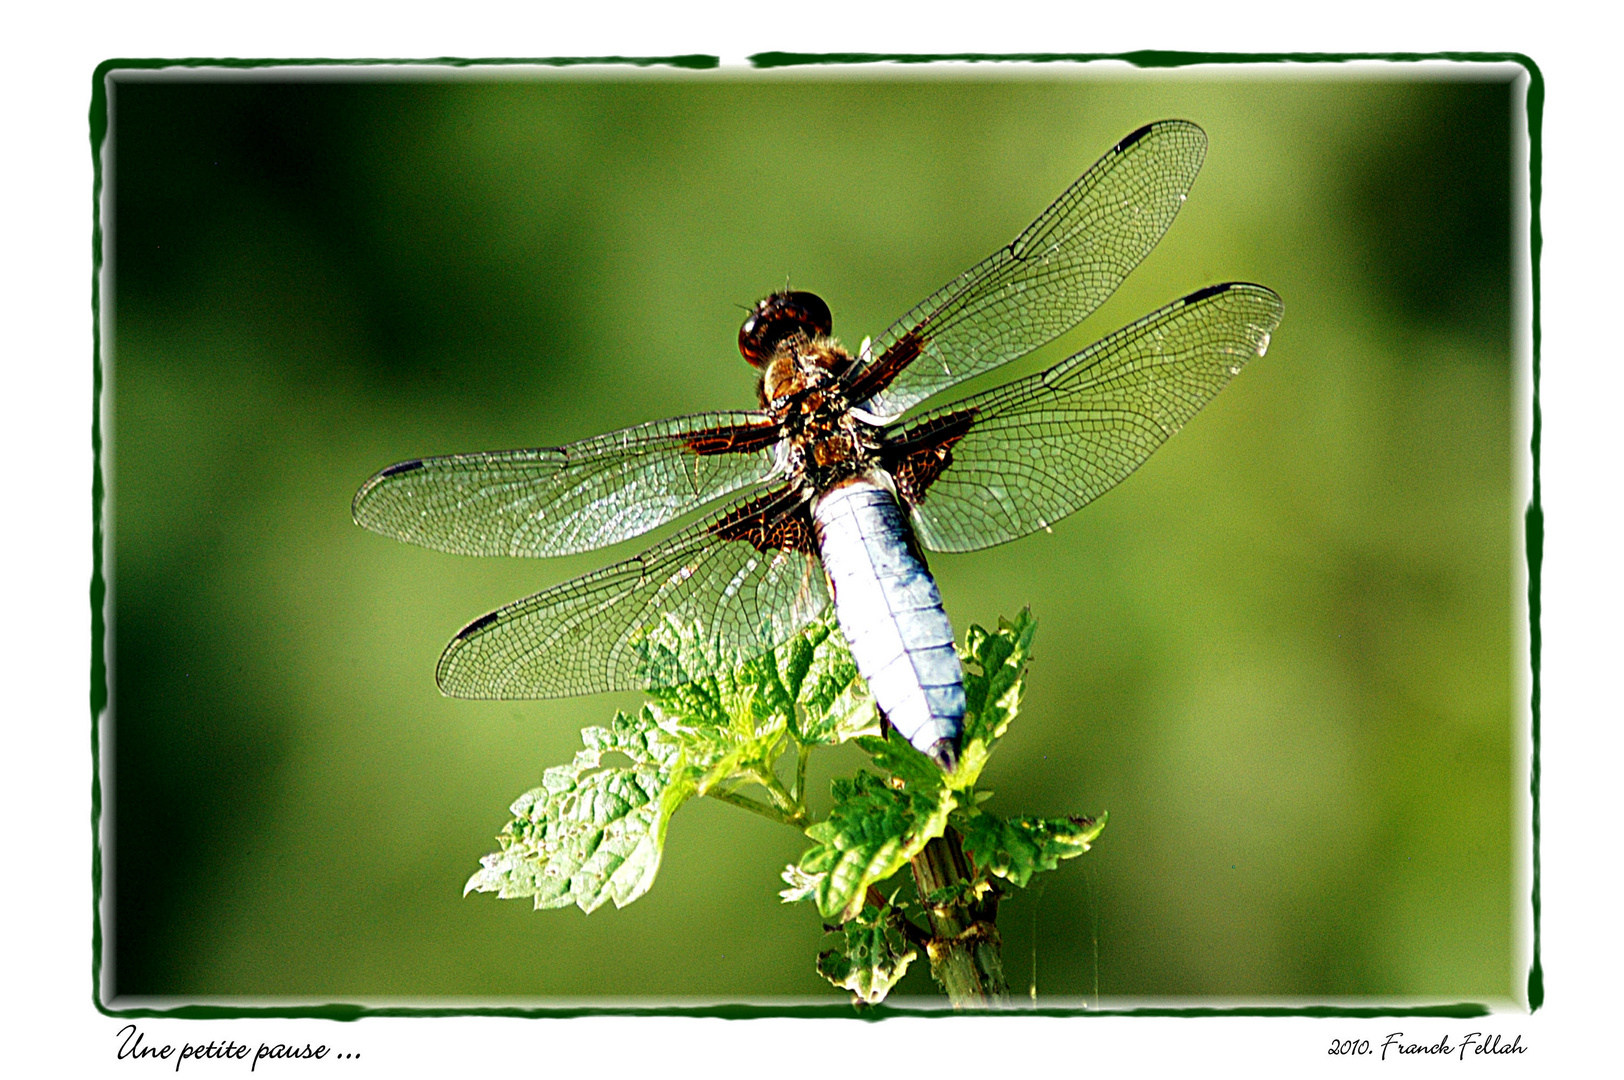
47	392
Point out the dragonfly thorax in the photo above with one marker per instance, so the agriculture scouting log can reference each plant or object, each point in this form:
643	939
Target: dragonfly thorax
803	390
802	376
826	447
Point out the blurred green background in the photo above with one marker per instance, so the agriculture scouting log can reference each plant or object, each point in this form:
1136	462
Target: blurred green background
1280	655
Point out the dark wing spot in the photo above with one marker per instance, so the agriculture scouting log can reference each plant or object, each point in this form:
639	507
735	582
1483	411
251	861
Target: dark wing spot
1201	294
925	453
476	626
777	521
403	467
735	439
1133	137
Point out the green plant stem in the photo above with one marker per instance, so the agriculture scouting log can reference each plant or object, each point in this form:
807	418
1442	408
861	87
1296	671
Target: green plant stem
733	798
784	800
801	757
964	948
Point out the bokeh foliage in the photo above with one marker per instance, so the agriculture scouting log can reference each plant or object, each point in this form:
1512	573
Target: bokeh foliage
1280	656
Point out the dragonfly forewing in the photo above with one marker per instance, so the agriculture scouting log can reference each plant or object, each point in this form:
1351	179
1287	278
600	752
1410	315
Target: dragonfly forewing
1052	276
562	500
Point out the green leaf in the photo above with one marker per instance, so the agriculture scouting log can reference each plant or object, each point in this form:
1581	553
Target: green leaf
674	654
727	728
591	832
712	756
871	957
960	893
800	653
994	679
835	703
897	756
872	831
1016	848
732	726
808	686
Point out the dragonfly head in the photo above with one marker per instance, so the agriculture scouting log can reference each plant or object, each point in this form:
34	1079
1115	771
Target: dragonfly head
777	317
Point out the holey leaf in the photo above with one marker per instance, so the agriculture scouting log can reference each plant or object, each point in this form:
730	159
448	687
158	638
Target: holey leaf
872	955
1016	848
872	831
592	831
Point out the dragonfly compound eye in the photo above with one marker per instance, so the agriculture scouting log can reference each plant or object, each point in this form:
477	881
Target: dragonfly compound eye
779	316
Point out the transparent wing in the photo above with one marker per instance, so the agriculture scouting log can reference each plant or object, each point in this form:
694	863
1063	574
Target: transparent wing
1019	458
699	602
560	500
1048	279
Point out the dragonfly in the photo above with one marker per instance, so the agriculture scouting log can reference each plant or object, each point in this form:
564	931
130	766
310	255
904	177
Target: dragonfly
845	485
